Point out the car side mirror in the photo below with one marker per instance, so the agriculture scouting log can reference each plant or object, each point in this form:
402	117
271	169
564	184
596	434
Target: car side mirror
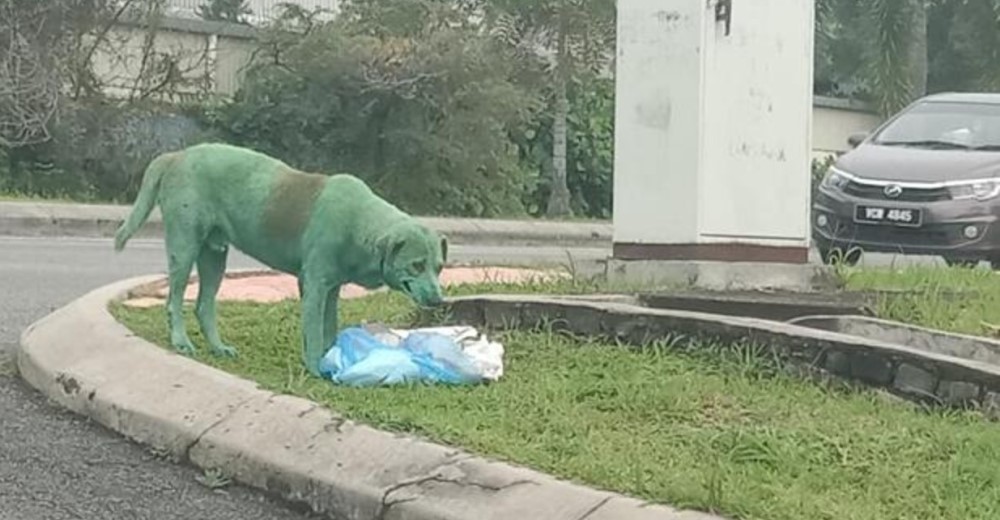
857	138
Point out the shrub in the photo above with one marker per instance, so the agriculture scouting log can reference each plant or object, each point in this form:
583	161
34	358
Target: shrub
425	120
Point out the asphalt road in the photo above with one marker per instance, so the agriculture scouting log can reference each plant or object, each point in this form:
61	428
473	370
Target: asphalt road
55	465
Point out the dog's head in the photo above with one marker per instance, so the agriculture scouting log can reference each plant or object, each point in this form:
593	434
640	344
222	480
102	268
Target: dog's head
412	258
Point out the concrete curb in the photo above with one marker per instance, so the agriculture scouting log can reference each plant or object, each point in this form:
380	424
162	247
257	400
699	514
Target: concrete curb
83	359
101	221
920	370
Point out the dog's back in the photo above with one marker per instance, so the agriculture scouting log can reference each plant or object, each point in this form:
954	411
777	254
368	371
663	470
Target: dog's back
222	194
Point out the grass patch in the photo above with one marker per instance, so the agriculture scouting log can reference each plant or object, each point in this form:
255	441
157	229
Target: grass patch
707	427
953	299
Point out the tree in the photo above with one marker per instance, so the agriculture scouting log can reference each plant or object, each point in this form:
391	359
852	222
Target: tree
39	55
907	48
579	36
897	58
417	106
233	11
60	130
29	76
975	38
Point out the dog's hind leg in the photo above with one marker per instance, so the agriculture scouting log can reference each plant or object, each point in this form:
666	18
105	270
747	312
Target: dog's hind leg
211	269
182	249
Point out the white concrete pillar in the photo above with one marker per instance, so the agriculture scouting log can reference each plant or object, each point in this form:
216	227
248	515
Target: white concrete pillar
713	130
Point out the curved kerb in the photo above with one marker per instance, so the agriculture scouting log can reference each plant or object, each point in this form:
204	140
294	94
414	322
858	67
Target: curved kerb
927	376
83	359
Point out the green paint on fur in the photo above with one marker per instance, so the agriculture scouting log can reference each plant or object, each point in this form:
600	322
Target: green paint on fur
327	231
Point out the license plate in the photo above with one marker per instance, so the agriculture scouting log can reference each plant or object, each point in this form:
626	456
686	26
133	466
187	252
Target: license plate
878	215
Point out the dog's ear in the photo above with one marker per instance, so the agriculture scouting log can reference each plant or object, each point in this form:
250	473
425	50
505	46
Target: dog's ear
444	249
395	246
390	246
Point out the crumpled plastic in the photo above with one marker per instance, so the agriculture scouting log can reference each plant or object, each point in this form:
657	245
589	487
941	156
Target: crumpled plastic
374	355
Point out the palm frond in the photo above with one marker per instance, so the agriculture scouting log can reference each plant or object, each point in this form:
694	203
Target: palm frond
889	67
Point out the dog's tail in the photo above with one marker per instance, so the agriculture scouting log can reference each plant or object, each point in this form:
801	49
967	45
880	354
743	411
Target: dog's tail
146	200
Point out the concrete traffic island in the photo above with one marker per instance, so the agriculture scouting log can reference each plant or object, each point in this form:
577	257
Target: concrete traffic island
83	359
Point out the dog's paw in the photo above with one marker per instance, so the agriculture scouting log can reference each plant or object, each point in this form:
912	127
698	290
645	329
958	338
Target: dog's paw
313	368
224	351
185	348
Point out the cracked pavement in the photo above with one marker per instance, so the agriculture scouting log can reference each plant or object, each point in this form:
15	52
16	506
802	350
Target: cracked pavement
55	465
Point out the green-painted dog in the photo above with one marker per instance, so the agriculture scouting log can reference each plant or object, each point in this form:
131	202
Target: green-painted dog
326	230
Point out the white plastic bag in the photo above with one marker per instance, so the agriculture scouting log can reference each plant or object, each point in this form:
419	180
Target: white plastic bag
486	355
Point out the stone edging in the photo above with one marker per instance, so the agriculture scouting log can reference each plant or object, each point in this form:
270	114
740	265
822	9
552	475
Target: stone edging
83	359
913	374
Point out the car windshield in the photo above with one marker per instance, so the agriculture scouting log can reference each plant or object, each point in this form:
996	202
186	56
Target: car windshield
942	125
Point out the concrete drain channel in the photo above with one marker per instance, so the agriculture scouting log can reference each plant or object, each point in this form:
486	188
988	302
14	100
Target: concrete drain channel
823	337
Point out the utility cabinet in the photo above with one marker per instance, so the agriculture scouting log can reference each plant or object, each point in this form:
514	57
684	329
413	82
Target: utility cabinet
713	130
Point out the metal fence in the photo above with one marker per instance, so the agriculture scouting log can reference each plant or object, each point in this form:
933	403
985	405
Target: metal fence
263	10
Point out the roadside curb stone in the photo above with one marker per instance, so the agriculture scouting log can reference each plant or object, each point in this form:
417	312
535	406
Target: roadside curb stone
911	373
912	379
83	359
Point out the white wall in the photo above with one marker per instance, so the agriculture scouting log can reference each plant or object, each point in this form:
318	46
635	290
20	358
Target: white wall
834	120
211	55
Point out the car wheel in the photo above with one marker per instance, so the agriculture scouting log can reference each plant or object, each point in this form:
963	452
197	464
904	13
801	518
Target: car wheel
963	262
837	255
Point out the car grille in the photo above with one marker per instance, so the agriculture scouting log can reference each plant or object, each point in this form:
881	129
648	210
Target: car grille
874	192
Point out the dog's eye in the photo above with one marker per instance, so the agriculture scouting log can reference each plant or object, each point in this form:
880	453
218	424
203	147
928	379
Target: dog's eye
419	266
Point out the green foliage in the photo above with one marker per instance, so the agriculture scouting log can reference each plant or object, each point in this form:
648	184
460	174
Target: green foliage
424	120
64	136
975	36
819	168
875	49
99	151
590	151
235	11
580	34
407	18
839	42
888	66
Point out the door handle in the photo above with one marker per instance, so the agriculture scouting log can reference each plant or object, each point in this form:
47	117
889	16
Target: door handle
724	13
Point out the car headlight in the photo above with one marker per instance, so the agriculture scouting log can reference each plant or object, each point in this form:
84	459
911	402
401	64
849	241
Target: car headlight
834	180
979	190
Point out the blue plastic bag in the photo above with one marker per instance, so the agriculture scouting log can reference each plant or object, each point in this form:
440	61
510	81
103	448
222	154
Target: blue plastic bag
357	358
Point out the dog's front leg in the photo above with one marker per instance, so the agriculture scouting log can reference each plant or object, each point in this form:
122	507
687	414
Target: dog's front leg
330	317
315	295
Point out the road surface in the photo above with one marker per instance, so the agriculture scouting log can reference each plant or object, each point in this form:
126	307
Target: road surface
56	466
